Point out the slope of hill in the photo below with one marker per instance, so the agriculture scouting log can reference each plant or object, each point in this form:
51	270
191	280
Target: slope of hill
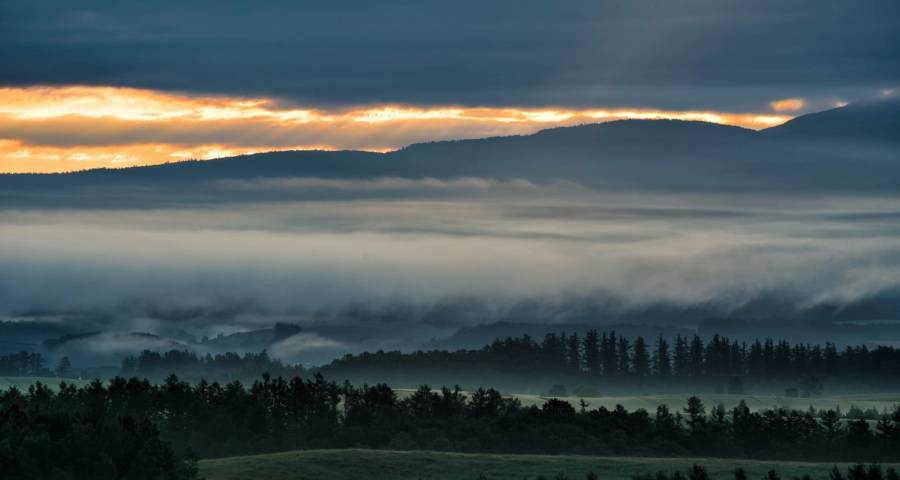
414	465
107	348
869	121
559	152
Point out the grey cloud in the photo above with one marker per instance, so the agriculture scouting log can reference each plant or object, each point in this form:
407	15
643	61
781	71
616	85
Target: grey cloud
704	54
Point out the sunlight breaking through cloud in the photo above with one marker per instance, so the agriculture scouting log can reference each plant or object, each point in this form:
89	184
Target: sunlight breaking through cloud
788	104
45	129
17	157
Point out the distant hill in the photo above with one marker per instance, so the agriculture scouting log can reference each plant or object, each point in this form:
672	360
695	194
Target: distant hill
252	341
870	121
628	154
107	348
16	336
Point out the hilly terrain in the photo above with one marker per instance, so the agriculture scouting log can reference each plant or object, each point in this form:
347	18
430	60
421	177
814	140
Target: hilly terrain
812	152
813	188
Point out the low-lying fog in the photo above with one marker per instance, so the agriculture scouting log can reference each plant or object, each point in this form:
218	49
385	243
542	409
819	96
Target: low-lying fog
415	250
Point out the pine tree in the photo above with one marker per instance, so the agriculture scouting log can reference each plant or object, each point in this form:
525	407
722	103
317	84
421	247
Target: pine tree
640	358
592	353
696	413
64	368
623	349
769	357
756	365
697	473
713	356
573	353
608	354
554	348
680	357
696	357
661	362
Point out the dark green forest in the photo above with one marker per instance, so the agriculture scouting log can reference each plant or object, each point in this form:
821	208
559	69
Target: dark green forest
610	360
24	364
141	425
597	358
131	425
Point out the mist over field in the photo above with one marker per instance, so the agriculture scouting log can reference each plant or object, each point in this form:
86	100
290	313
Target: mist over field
410	259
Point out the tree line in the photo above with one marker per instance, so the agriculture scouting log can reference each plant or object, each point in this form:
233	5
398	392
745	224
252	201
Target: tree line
604	355
555	358
221	367
858	471
158	365
277	414
23	364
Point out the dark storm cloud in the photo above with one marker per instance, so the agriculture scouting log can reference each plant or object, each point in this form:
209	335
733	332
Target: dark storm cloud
707	54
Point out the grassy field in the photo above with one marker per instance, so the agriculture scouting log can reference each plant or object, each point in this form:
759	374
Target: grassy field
878	401
392	465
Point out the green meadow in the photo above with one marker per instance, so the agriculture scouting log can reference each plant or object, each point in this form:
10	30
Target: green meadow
415	465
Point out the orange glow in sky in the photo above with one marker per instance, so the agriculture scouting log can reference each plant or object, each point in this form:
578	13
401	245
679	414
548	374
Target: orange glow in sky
788	105
53	129
17	157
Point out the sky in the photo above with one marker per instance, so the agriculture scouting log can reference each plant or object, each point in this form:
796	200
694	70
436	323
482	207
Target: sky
116	84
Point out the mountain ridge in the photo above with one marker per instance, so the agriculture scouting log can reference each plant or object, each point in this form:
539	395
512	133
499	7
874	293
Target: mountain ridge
873	120
809	152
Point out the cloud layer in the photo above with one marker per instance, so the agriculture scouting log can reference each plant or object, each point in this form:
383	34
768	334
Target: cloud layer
255	264
700	55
